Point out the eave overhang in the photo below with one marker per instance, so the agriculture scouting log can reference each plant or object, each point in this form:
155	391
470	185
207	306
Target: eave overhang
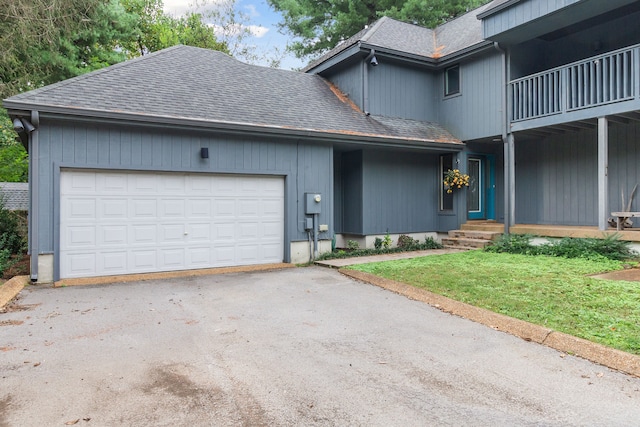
17	109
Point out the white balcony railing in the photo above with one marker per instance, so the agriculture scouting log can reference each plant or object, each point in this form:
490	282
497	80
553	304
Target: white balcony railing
599	80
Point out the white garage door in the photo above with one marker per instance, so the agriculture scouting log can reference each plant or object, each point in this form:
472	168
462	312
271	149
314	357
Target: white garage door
123	223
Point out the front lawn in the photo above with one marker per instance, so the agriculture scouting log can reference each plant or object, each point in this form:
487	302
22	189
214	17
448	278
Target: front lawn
550	291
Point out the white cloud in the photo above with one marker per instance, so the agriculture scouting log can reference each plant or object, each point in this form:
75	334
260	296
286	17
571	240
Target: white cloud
252	11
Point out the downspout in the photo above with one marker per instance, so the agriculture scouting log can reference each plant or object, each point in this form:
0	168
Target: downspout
505	140
365	82
34	195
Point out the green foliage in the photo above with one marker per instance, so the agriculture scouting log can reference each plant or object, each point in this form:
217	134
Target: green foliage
377	243
321	25
429	243
610	247
386	242
555	292
352	245
14	163
406	242
12	231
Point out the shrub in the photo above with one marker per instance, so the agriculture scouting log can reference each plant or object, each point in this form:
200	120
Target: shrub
386	242
429	243
514	244
377	243
12	231
610	247
406	242
353	245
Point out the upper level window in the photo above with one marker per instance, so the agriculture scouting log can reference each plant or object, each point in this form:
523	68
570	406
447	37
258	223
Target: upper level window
452	80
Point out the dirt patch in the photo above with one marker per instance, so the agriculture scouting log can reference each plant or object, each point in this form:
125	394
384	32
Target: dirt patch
11	322
629	274
18	266
15	307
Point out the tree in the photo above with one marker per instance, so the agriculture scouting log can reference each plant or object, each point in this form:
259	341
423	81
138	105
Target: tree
320	24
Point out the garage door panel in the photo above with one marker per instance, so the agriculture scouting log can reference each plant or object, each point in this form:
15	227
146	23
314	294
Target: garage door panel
122	223
111	183
224	208
173	208
113	208
143	260
271	230
248	208
199	257
172	184
144	208
80	182
271	208
171	233
80	264
79	208
223	255
199	208
172	258
199	232
142	184
81	236
113	262
248	254
114	235
141	234
224	232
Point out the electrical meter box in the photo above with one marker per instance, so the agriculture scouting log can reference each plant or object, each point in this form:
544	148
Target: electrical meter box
312	203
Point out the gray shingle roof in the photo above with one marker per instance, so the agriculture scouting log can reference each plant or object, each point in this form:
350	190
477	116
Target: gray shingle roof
453	36
15	195
209	86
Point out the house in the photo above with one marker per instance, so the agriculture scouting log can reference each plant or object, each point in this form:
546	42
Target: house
14	196
186	158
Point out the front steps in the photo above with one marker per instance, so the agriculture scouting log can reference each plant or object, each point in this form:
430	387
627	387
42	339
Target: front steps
468	239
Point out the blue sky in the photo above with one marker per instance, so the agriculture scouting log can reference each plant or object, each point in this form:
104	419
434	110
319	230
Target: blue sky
264	22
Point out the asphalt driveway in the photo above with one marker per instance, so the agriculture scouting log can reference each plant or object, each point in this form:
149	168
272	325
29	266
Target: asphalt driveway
302	346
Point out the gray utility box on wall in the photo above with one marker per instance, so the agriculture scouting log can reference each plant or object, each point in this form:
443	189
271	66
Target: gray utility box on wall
312	203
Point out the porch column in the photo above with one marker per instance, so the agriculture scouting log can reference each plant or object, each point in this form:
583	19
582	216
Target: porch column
509	183
603	165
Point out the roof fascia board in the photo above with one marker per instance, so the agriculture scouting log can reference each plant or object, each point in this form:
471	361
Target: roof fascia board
466	53
400	55
97	116
497	9
349	52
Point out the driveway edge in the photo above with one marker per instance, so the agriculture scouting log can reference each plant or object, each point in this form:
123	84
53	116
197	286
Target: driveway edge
11	288
598	353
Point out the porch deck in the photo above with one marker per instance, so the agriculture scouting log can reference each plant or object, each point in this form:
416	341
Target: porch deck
629	234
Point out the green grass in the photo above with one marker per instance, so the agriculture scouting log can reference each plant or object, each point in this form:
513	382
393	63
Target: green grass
550	291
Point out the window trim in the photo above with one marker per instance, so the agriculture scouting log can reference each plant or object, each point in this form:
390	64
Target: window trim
458	91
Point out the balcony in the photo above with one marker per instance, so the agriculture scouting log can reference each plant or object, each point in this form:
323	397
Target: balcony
598	81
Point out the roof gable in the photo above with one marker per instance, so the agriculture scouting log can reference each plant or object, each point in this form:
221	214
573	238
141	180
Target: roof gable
449	38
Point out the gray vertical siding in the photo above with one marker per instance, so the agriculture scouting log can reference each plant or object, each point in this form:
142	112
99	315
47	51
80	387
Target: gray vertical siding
400	192
624	161
521	13
556	179
68	145
477	111
349	80
397	90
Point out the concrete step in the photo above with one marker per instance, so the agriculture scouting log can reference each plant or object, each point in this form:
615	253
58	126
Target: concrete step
465	242
483	226
474	234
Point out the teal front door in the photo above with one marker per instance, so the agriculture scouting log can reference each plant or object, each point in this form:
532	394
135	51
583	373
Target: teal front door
481	191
